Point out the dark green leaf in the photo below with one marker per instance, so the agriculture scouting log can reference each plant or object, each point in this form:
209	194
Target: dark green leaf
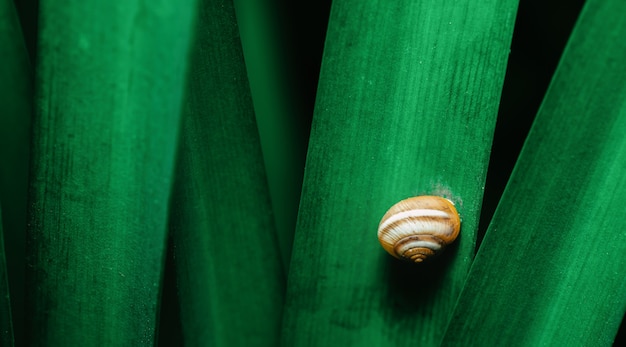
228	261
552	268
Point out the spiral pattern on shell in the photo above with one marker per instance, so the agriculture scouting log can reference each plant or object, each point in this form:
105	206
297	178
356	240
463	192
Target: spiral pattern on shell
418	228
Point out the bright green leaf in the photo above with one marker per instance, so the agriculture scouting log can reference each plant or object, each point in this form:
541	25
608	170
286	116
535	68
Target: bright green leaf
110	81
406	106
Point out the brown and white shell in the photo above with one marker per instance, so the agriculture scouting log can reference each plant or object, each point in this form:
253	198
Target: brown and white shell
418	228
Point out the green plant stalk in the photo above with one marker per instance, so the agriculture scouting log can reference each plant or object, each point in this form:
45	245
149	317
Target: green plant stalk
550	271
283	140
110	81
229	271
406	105
15	116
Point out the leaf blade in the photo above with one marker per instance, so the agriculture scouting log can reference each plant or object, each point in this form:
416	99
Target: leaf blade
565	193
406	106
109	93
230	276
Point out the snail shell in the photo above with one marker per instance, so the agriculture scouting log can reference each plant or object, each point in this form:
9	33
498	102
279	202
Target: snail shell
418	228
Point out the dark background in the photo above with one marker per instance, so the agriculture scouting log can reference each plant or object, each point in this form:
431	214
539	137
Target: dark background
541	32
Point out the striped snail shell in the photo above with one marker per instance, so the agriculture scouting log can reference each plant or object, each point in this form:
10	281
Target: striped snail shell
418	228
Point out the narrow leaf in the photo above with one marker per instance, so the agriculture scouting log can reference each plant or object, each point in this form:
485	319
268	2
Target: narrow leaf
551	270
6	324
15	116
110	81
228	262
406	106
282	134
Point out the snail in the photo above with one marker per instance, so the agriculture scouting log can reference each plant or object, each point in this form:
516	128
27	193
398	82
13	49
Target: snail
419	228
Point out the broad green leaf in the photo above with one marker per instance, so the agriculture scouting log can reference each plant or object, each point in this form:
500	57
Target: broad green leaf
406	105
551	270
110	81
228	262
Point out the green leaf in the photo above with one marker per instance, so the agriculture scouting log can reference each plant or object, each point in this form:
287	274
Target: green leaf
228	262
110	81
550	271
406	106
283	138
15	116
6	324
